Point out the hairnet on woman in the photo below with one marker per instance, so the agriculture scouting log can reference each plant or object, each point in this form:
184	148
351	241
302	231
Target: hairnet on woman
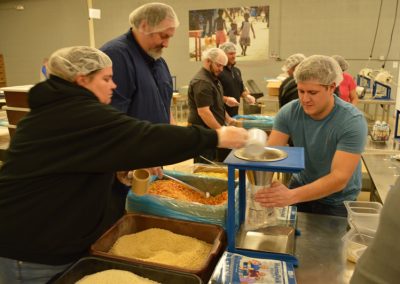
288	88
347	88
56	180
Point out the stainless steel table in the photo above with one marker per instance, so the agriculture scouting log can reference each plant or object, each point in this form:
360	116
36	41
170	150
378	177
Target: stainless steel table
383	170
389	147
385	105
320	250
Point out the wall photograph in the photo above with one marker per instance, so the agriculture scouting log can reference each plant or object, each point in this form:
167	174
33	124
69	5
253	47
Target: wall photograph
246	27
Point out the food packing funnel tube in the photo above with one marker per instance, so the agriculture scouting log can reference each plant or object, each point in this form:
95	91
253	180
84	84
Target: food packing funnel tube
259	177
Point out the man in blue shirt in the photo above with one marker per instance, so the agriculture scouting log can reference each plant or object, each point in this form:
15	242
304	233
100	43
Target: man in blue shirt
333	134
144	83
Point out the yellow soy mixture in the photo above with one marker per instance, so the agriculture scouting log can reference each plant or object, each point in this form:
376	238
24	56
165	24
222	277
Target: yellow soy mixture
164	247
115	276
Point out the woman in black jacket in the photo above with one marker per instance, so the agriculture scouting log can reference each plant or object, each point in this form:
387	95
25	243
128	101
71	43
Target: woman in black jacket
56	181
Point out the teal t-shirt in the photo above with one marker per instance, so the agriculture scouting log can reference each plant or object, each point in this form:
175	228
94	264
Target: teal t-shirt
344	129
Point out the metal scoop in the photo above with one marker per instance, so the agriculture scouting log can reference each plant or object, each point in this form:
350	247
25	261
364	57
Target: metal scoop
205	194
211	162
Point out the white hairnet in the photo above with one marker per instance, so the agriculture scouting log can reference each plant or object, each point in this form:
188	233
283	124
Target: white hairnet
292	61
321	68
69	62
342	62
154	14
215	55
228	47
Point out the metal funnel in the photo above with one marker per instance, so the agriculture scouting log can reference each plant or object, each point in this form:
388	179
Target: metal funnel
259	178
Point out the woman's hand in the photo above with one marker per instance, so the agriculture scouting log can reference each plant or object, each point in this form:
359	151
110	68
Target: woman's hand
232	137
156	171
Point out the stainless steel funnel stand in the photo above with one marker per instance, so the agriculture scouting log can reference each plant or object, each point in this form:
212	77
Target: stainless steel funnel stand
258	244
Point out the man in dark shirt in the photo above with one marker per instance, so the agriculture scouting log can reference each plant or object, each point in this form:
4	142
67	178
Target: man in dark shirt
205	94
232	83
144	83
288	88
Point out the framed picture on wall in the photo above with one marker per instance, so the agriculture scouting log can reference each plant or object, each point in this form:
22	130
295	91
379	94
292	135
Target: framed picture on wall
247	27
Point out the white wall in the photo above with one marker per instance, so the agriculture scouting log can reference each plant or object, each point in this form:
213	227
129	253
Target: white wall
344	27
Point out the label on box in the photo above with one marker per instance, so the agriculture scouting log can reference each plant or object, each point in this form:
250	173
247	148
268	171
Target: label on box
236	268
286	213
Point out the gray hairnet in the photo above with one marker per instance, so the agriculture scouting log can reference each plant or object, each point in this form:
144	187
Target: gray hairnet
228	47
321	68
69	62
215	55
292	61
154	14
342	62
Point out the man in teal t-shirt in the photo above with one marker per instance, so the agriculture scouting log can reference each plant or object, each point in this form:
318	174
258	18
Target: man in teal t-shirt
333	134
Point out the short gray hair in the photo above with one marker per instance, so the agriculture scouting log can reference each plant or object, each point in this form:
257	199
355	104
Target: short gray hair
213	54
154	14
228	47
69	62
292	61
342	62
321	68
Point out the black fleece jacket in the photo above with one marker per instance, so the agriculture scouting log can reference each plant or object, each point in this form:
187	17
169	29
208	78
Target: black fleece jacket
56	179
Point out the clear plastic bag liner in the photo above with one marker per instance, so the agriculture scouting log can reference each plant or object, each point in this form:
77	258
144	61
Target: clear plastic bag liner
179	209
257	216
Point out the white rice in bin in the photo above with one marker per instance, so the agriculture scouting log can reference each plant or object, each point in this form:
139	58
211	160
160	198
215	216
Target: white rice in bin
164	247
115	276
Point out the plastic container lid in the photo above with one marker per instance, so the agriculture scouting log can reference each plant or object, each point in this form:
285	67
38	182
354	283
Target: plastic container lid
363	207
364	214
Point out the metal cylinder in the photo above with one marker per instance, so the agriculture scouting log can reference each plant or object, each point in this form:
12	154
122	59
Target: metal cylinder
262	178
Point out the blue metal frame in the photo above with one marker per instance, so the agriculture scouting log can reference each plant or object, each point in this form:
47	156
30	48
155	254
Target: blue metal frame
293	163
375	89
396	128
364	81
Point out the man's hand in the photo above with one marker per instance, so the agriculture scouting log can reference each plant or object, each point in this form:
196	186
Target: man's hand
231	101
250	99
277	195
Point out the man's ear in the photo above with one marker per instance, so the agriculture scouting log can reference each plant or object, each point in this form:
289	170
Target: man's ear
332	87
143	26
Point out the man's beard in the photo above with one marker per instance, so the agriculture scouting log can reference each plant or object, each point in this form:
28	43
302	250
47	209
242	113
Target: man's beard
155	52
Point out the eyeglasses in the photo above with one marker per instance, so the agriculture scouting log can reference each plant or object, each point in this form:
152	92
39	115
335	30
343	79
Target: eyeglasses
219	65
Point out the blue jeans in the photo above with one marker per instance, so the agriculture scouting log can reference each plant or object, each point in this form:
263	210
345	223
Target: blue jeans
18	272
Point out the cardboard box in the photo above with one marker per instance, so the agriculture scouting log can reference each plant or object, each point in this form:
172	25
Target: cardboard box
273	88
